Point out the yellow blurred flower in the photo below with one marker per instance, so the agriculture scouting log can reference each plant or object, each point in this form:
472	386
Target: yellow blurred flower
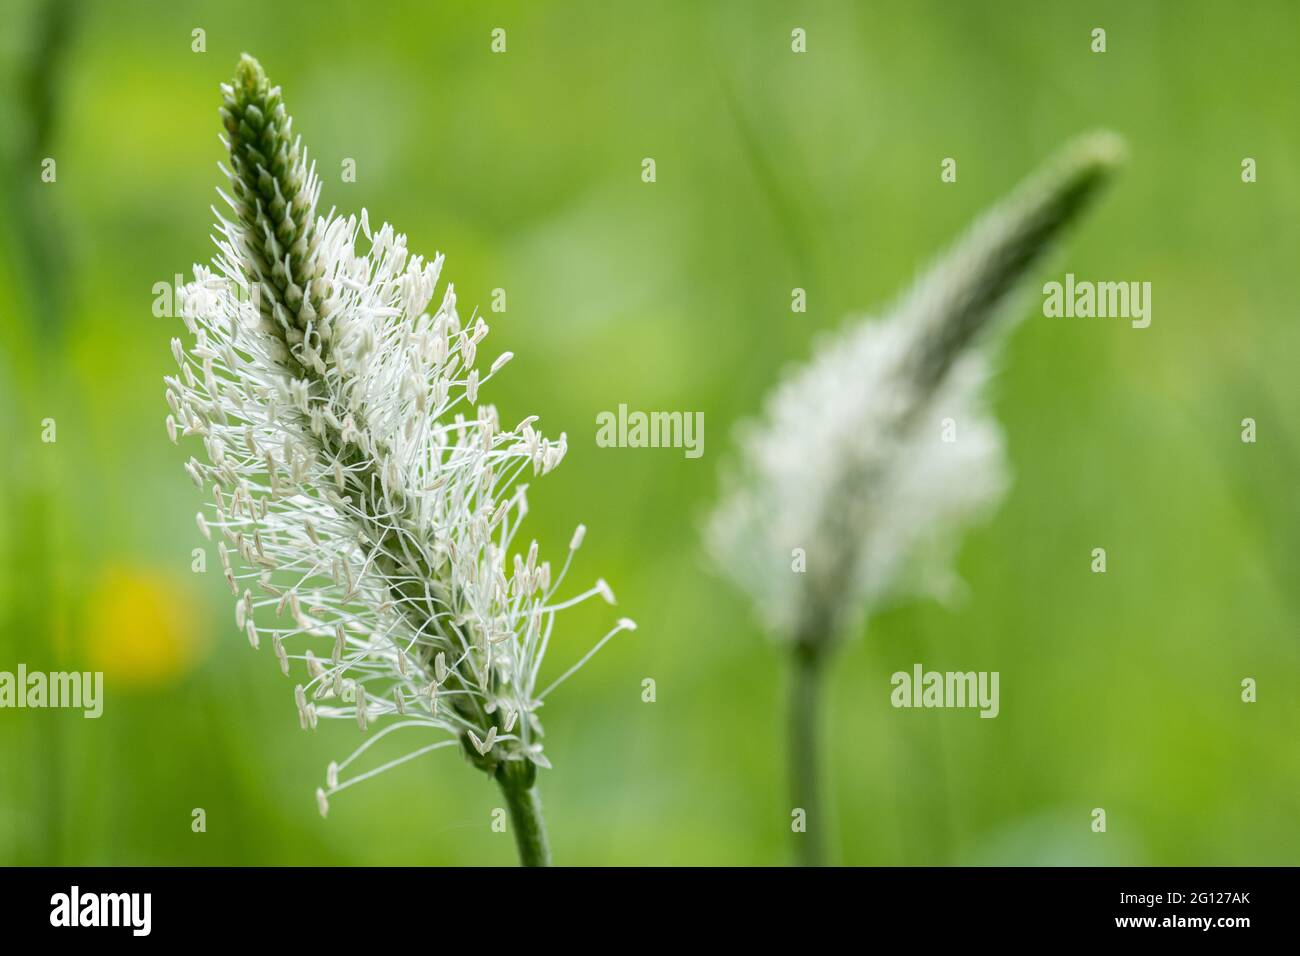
143	626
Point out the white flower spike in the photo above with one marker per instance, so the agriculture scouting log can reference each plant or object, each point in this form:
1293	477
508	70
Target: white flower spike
849	465
846	491
372	501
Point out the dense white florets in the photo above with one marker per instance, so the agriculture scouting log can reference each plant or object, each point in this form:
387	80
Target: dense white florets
850	475
871	458
365	505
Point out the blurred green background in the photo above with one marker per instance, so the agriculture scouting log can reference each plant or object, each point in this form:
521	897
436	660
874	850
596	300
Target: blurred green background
774	170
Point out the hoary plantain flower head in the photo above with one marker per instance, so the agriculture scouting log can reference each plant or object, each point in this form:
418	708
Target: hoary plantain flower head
853	470
366	504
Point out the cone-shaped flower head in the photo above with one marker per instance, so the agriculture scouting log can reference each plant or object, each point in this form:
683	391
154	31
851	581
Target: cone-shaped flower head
853	472
364	503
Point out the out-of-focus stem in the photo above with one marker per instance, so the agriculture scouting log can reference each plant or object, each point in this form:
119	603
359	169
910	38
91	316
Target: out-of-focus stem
805	691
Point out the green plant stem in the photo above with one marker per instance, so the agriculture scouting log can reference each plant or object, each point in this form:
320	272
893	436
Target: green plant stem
525	803
805	688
